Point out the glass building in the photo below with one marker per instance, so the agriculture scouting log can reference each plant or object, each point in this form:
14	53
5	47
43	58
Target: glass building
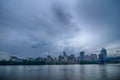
104	52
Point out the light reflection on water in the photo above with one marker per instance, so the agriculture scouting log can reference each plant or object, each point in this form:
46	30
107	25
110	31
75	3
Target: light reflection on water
61	72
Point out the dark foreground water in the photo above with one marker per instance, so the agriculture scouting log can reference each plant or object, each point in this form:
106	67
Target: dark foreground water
61	72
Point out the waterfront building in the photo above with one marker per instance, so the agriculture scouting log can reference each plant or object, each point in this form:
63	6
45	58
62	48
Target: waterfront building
14	58
65	56
103	52
39	59
87	58
93	57
60	58
30	59
49	58
72	58
82	54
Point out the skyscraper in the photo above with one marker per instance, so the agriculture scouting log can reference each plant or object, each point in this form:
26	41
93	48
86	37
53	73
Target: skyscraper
65	56
103	52
82	55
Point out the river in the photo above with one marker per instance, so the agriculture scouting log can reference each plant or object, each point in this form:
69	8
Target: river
61	72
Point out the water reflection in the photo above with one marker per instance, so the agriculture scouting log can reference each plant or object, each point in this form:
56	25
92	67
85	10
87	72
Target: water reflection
60	72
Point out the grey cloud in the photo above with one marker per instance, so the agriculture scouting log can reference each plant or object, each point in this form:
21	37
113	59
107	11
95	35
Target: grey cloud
101	17
60	14
33	28
28	28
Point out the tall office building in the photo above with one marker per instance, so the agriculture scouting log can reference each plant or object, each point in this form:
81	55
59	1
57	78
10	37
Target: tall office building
82	54
103	52
65	56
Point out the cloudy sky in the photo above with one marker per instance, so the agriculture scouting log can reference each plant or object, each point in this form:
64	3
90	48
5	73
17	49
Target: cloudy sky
33	28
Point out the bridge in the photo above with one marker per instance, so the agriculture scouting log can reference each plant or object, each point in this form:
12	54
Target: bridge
102	61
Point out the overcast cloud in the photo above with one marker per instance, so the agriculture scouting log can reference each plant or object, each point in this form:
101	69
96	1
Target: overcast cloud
41	27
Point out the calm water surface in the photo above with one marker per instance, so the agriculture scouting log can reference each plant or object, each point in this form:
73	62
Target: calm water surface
61	72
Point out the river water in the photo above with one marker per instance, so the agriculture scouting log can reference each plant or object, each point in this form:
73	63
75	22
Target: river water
61	72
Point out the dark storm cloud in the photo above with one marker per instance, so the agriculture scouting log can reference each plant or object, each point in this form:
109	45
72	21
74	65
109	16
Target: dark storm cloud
34	28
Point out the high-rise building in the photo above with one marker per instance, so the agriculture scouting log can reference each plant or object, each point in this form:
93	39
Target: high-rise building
82	54
64	53
72	58
93	57
103	52
60	58
87	57
49	58
65	56
13	58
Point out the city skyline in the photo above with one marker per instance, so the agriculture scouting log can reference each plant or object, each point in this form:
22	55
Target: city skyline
81	55
64	58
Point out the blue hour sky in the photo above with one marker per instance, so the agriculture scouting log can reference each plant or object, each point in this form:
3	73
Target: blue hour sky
31	28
